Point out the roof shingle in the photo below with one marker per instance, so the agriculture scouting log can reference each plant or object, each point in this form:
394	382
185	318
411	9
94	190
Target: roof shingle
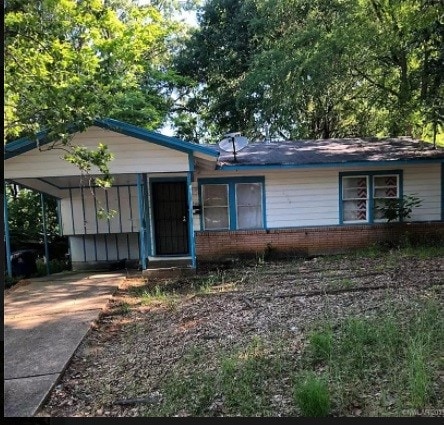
330	151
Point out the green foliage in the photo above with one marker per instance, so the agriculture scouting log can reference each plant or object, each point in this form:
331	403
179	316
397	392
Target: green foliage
391	351
312	396
317	69
399	209
419	377
321	344
84	159
55	266
25	216
69	62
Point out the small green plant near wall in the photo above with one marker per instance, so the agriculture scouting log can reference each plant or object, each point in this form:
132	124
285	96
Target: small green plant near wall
399	209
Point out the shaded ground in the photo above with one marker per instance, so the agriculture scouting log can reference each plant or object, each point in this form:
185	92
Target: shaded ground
149	335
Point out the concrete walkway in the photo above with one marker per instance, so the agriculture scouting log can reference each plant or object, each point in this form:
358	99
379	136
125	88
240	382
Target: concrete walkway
44	323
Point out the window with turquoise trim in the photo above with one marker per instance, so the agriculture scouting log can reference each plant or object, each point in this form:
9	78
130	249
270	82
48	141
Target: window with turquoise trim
384	187
215	206
232	204
249	205
362	194
355	198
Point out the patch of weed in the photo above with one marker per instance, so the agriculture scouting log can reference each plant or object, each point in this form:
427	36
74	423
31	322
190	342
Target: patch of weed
312	396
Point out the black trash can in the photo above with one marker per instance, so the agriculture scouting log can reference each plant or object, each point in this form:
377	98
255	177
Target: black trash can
23	262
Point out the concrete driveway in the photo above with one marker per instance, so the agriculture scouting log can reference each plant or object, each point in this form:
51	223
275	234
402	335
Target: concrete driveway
44	322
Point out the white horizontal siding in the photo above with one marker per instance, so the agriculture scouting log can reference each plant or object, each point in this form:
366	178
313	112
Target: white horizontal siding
310	197
425	182
130	156
302	198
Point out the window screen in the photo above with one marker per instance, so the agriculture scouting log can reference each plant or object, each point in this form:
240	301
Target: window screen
215	206
249	205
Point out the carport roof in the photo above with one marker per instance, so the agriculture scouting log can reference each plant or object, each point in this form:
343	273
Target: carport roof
25	144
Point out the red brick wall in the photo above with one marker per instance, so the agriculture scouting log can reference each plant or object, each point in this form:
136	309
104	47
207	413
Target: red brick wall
220	245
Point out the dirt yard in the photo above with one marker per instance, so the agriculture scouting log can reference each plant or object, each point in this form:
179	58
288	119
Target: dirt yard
147	331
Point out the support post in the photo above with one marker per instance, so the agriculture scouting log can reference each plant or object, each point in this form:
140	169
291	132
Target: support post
45	236
190	220
142	230
146	215
7	236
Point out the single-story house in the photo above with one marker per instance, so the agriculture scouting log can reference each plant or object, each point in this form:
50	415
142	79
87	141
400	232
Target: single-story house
194	202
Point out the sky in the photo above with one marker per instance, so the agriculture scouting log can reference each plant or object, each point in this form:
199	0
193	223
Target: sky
187	16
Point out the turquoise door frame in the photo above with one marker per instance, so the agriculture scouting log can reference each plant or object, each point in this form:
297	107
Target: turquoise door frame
144	222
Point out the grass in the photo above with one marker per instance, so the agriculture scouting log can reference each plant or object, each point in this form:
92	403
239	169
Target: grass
379	364
235	382
312	396
341	367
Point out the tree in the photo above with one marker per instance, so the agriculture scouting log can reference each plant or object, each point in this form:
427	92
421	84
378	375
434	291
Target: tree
319	68
217	57
25	216
68	62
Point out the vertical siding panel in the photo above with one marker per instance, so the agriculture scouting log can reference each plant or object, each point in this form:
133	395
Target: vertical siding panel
119	209
124	199
95	247
79	228
82	200
102	223
134	246
122	244
111	244
95	210
89	248
90	211
66	214
107	210
113	204
130	205
117	246
77	251
134	208
101	251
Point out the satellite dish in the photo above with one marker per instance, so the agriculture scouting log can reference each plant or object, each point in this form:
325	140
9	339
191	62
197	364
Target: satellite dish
233	142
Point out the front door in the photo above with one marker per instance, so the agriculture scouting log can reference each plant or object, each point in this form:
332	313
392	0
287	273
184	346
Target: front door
170	209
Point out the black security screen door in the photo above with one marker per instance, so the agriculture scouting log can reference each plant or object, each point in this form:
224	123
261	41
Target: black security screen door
170	217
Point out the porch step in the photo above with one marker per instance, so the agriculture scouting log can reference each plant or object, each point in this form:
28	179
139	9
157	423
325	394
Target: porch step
159	268
168	262
168	272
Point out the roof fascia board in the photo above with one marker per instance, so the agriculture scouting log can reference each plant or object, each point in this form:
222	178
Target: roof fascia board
329	165
25	144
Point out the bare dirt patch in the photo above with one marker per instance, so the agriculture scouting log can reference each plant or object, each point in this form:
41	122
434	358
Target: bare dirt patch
120	367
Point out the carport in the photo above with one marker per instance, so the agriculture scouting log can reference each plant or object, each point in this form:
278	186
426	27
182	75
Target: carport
153	192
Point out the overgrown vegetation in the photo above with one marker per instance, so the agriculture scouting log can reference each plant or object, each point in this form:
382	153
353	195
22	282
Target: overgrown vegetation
371	366
272	339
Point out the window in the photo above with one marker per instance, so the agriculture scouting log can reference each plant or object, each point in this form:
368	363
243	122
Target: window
215	206
230	204
362	194
249	205
355	198
384	187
